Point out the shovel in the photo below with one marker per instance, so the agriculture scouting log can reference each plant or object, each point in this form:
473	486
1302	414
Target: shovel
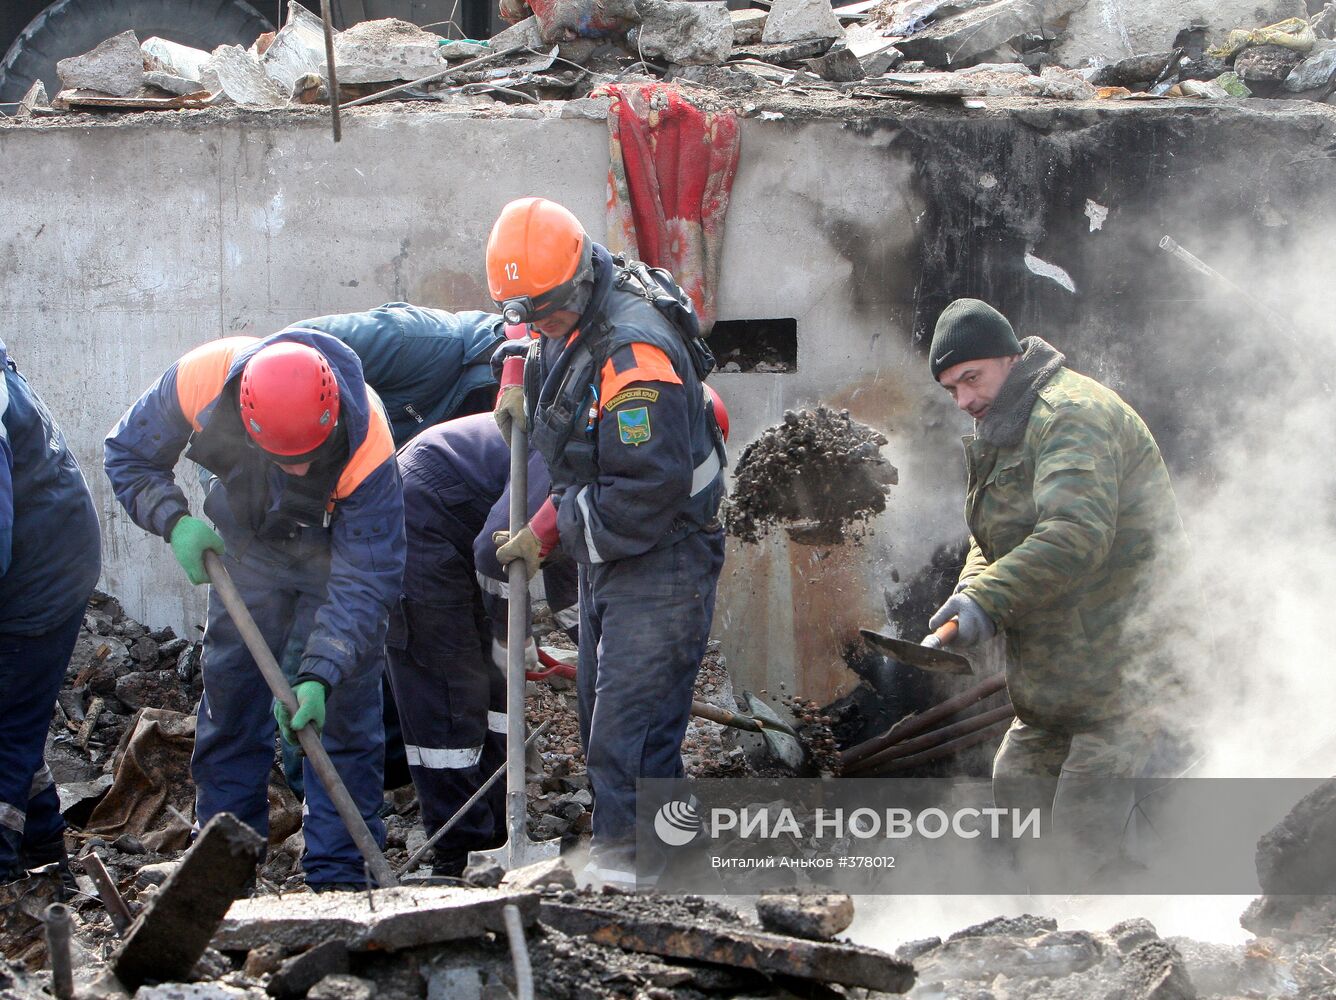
928	655
310	743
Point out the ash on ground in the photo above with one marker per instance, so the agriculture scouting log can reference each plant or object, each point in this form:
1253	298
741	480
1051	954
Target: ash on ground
820	475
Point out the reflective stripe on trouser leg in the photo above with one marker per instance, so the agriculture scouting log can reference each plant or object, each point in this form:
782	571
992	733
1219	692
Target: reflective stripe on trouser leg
645	621
441	683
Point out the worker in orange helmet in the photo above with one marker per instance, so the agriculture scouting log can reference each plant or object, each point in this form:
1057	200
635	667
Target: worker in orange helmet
305	497
614	389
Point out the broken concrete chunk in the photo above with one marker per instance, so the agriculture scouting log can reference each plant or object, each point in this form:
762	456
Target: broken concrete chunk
1128	935
594	109
386	50
796	20
1156	971
196	991
115	67
1266	63
297	49
818	917
685	32
402	918
527	32
839	65
178	85
171	934
240	77
1314	72
552	872
156	874
165	56
974	35
485	873
734	946
299	973
1055	954
342	987
876	53
1106	32
1134	70
747	25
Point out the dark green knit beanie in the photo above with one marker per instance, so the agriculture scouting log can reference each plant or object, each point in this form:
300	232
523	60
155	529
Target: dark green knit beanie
968	330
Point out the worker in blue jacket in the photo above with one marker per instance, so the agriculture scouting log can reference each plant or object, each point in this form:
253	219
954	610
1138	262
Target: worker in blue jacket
427	366
614	390
50	557
451	696
306	498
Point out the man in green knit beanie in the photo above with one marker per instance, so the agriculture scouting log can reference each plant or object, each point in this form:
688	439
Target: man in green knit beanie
1076	547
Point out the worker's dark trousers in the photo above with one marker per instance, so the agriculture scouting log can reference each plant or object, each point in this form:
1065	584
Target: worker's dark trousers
234	737
644	623
451	698
32	668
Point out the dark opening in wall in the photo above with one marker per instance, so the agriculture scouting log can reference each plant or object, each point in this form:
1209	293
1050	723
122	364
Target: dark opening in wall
755	345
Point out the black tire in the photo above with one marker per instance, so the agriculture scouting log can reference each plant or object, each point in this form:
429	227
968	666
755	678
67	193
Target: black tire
71	27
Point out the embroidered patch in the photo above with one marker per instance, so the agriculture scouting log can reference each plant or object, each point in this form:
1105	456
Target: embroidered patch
637	392
633	425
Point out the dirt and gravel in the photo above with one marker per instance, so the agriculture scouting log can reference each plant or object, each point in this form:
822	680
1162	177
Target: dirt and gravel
820	475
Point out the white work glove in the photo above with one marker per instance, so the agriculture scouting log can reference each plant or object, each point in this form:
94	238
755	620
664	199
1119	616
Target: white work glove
509	410
975	626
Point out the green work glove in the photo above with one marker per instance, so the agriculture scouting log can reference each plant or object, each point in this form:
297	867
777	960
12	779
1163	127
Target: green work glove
191	538
310	711
509	410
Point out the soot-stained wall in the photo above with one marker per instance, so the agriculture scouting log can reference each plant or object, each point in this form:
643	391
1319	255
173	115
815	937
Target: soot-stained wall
126	243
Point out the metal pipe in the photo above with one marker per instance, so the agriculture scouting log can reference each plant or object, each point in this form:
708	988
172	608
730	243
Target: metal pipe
519	951
929	740
517	634
58	932
947	749
1280	322
307	736
329	64
723	717
449	824
921	723
112	900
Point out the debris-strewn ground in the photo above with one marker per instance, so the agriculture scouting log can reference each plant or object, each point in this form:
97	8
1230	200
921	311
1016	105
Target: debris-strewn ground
820	475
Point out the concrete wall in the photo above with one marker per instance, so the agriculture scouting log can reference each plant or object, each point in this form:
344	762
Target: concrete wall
125	242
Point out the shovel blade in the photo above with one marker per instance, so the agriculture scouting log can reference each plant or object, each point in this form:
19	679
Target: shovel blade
940	661
782	745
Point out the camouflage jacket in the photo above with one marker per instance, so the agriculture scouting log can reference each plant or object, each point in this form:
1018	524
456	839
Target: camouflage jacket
1076	549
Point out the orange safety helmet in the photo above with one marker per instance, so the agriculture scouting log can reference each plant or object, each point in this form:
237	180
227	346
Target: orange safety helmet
720	410
289	401
537	255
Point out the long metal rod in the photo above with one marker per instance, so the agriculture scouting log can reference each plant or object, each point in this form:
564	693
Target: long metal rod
1280	322
916	724
433	77
449	824
519	951
927	741
517	634
58	932
948	749
112	901
333	73
310	741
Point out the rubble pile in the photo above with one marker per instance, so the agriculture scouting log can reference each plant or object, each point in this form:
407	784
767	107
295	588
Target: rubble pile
950	51
820	474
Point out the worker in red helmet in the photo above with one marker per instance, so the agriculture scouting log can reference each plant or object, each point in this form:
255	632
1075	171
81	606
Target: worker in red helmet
307	515
614	389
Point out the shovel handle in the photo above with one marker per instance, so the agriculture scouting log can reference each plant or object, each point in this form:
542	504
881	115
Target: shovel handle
947	633
315	751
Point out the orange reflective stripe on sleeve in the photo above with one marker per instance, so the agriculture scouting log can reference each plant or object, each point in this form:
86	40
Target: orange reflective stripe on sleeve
373	452
651	365
201	374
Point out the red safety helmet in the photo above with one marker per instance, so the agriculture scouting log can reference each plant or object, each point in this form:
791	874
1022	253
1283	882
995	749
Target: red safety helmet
720	410
289	400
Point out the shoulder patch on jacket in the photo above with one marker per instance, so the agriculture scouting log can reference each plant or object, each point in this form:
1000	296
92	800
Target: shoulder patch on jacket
635	392
633	425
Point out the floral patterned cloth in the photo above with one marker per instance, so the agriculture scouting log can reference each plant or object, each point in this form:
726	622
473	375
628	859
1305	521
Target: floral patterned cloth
671	173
